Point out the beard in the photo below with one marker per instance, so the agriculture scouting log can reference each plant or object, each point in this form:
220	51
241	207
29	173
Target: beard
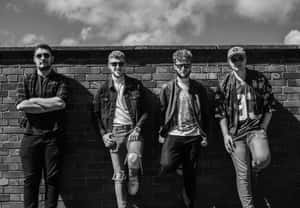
184	76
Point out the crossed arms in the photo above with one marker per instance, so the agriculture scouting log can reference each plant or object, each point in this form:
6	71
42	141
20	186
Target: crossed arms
41	105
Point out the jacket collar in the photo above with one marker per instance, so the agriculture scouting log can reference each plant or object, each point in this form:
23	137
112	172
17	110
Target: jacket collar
127	81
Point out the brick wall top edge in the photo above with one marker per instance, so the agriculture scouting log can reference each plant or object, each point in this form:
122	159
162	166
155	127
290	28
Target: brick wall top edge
154	54
158	47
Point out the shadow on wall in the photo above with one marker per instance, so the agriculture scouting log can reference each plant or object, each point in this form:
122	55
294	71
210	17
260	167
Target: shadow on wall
85	166
87	171
282	178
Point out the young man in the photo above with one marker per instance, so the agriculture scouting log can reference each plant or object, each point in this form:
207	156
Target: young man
244	105
42	97
120	108
185	121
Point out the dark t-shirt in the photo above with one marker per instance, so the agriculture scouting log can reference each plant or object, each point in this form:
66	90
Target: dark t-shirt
54	85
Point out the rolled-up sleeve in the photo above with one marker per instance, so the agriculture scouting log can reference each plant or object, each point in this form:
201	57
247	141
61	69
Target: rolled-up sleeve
63	90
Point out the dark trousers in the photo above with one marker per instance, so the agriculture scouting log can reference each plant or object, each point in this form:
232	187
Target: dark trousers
40	154
182	150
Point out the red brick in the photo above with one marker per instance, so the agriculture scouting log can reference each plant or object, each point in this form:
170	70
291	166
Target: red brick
94	77
12	205
3	78
13	174
12	71
11	159
199	75
293	96
4	197
3	181
163	69
145	69
291	75
292	103
292	68
280	82
10	115
294	82
291	89
276	68
12	78
163	76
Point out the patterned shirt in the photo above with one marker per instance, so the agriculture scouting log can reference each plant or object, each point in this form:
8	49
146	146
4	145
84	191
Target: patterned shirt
33	85
244	104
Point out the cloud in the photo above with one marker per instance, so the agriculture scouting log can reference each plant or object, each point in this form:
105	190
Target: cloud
265	10
69	42
12	7
139	21
157	21
85	33
293	37
31	39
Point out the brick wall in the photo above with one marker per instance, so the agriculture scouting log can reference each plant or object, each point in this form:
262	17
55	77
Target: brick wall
86	179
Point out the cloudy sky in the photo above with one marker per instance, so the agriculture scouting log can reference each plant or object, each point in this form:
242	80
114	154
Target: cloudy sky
149	22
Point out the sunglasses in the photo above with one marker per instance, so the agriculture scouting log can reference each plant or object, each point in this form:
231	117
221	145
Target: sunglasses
117	63
183	65
237	58
40	55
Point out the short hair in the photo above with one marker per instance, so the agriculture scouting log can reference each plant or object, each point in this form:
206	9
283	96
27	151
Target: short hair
43	46
182	55
117	55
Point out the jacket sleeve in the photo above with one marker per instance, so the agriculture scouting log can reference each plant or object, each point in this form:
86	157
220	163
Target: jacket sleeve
97	112
163	104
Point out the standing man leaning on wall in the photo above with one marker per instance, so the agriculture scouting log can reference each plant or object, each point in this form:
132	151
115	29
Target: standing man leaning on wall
244	105
42	97
185	122
120	108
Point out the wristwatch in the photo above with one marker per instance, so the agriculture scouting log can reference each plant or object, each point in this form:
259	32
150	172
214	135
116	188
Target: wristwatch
137	129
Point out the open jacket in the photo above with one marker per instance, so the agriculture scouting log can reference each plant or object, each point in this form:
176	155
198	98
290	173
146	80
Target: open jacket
105	103
226	103
168	106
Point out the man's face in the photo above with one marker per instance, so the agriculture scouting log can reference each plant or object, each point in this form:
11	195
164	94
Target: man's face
116	67
237	62
43	59
183	68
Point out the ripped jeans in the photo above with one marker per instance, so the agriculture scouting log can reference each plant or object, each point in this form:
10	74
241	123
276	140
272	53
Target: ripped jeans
126	159
251	154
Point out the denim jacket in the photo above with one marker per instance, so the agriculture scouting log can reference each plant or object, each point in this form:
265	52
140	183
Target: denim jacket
105	103
169	95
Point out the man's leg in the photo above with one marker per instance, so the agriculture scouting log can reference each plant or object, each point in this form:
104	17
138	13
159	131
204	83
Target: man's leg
171	154
242	164
119	178
134	161
32	161
190	161
51	171
261	157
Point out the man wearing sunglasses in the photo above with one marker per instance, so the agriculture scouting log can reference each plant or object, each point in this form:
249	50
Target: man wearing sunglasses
121	111
244	105
42	96
185	122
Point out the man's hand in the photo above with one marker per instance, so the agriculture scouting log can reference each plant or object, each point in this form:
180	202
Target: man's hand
161	139
108	142
134	135
228	142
